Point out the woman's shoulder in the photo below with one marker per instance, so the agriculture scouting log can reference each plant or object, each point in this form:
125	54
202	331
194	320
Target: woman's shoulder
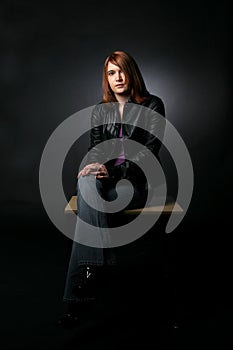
102	109
153	99
155	103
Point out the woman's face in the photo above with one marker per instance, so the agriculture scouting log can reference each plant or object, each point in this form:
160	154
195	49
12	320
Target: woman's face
117	80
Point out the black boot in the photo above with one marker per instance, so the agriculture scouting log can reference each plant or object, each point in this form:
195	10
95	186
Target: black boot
86	291
73	315
68	320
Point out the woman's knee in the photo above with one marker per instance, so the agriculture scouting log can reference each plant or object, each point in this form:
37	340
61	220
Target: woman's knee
89	183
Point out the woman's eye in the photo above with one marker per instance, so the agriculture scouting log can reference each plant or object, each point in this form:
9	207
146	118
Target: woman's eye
110	72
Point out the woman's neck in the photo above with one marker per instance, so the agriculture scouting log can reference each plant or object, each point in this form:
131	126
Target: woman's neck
122	98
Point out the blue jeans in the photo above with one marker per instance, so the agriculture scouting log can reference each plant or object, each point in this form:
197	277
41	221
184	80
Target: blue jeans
81	254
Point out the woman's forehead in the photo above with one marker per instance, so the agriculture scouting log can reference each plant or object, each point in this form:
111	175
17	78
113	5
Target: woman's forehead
112	66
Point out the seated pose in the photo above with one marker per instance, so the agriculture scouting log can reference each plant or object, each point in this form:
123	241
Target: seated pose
125	108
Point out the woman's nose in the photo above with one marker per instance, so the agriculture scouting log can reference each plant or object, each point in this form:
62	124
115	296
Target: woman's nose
119	76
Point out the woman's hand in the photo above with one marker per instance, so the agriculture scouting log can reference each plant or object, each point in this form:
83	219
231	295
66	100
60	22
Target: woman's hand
97	169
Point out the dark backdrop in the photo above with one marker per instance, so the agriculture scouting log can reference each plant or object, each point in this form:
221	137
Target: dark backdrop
51	66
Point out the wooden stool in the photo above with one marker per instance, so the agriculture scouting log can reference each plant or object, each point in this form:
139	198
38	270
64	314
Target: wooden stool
169	207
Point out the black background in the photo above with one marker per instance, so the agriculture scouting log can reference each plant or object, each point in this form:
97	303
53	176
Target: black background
51	67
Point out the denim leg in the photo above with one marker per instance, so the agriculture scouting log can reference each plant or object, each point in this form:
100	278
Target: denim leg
90	255
92	235
83	254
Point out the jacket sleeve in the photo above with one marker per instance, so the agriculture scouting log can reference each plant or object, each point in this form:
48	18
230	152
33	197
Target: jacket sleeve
151	139
98	153
96	136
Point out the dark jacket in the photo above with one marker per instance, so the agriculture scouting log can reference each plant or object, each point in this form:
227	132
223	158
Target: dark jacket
140	123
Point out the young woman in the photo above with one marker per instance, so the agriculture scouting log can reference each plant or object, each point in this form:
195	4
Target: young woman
116	117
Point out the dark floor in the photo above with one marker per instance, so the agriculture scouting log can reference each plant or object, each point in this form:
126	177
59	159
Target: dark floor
189	283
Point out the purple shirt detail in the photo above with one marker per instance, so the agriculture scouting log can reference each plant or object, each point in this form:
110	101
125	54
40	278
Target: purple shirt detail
121	157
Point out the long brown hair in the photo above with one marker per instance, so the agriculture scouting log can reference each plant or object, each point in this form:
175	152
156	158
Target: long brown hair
129	67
